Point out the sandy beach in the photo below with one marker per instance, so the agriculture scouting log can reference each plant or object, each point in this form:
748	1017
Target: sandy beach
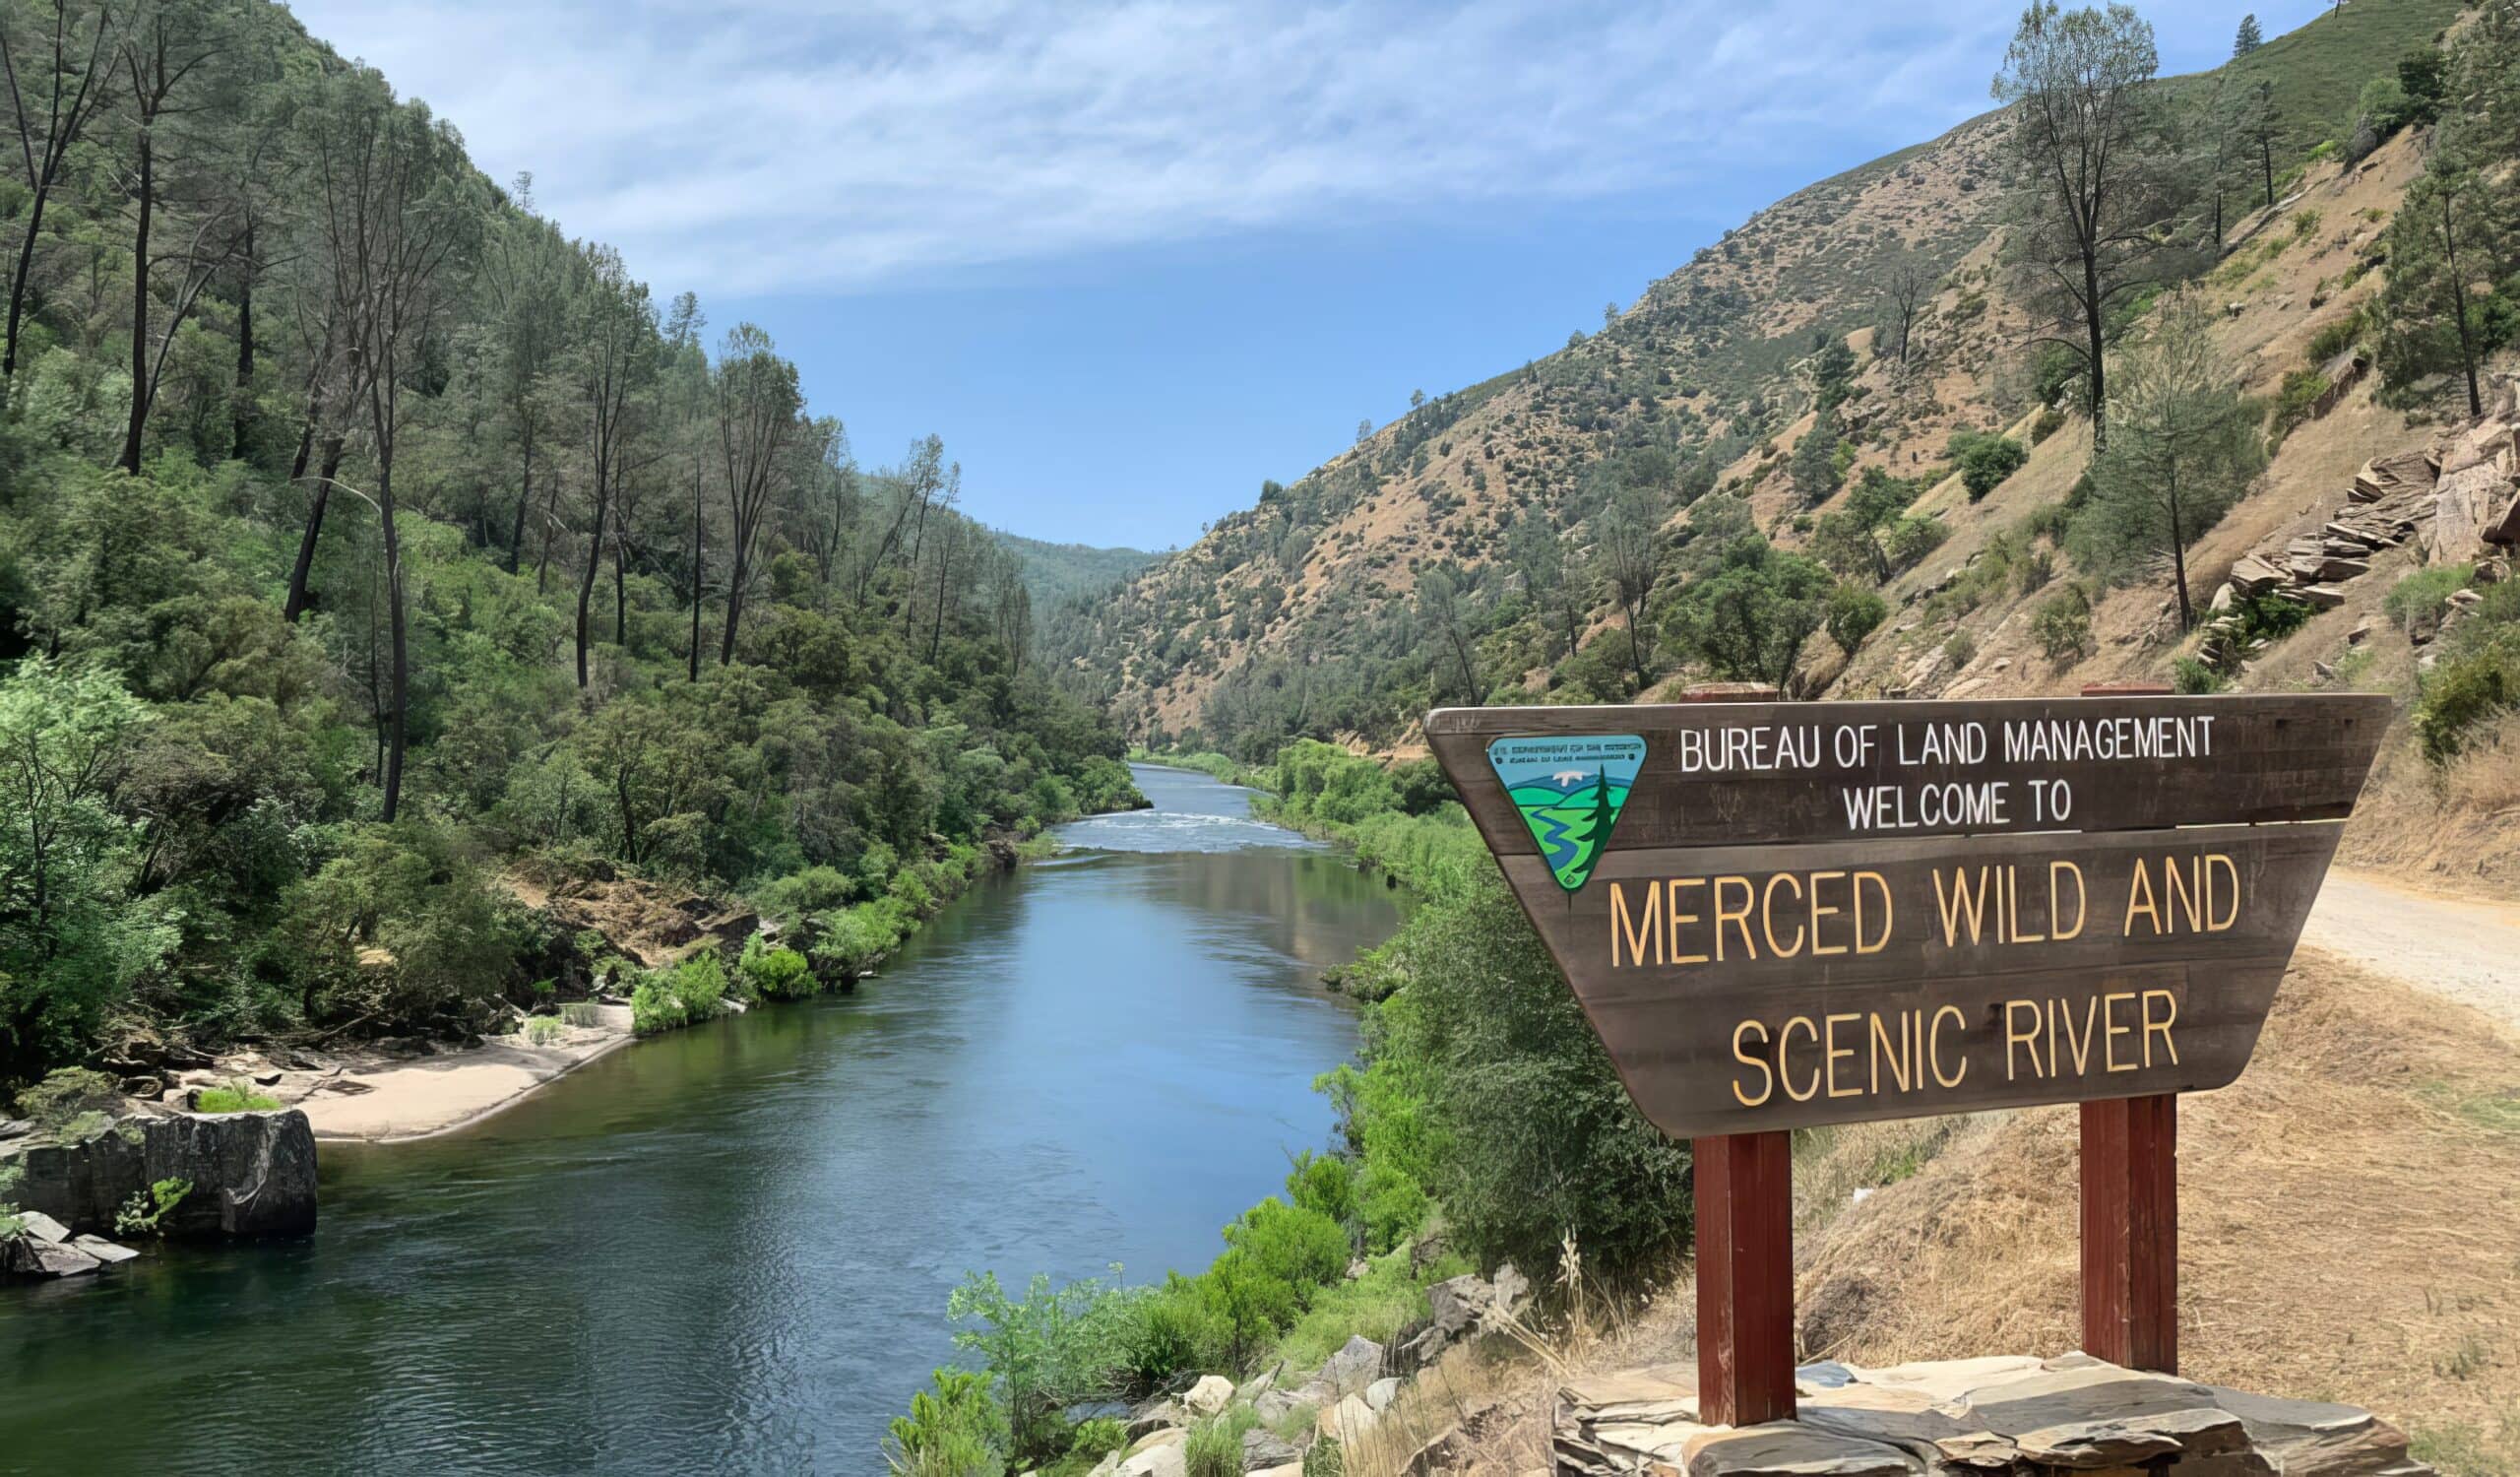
370	1097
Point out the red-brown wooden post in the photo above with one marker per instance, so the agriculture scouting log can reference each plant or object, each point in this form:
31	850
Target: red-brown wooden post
1744	1277
1744	1245
2130	1213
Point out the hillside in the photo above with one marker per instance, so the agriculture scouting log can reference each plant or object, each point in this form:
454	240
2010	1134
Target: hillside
1309	613
1055	573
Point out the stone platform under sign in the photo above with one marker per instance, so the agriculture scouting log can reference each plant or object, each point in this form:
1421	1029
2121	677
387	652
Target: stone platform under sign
2011	1416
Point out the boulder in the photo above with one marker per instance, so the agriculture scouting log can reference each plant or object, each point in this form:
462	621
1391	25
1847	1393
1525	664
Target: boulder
1358	1364
2254	574
104	1250
1153	1416
1347	1420
1275	1405
1265	1450
44	1228
1213	1393
1167	1460
253	1175
2320	597
1380	1393
23	1257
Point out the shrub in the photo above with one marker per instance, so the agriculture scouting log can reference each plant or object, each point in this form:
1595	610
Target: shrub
1958	649
2062	627
2416	602
1171	1330
686	995
2195	678
1300	1246
1093	1440
581	1013
1324	1182
2463	692
147	1209
1322	1459
1054	1348
854	940
1853	614
237	1096
1913	537
2340	336
774	972
1985	461
957	1431
2048	422
543	1030
2295	402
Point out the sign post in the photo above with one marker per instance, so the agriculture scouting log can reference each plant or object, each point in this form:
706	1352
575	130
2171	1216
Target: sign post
1783	915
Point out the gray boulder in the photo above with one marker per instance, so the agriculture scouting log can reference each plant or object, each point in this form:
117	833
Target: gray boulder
23	1257
253	1175
1357	1365
1263	1450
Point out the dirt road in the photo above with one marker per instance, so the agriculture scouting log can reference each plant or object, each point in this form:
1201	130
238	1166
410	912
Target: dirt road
2467	950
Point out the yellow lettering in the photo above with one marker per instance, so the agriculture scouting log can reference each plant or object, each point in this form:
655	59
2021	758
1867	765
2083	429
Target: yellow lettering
2216	923
2055	900
2141	887
1898	1052
2170	1005
2014	1036
1767	1080
2111	1030
1767	914
1832	1052
1935	1050
1739	918
1880	940
1818	913
1958	898
1784	1039
1641	930
1674	917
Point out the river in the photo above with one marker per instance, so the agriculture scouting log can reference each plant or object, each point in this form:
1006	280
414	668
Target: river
729	1248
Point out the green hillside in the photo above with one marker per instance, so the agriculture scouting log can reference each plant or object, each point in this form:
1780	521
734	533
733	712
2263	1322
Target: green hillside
1056	573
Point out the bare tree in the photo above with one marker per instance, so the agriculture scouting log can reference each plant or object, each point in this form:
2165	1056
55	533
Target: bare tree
757	404
397	206
166	55
616	342
1904	296
59	79
1629	537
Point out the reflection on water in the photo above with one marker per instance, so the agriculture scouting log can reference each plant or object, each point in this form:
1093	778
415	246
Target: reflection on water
729	1248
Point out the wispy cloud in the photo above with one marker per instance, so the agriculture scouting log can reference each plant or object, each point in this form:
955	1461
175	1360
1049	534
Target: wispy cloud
794	146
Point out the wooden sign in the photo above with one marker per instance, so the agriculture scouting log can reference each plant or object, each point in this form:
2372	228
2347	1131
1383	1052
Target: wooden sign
1779	914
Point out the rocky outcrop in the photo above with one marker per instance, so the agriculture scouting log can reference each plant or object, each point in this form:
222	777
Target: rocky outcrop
1999	1417
252	1175
2456	501
44	1247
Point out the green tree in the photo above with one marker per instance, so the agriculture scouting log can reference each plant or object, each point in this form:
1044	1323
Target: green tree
2449	235
2090	184
1628	548
1750	619
72	938
1814	466
2190	448
2249	38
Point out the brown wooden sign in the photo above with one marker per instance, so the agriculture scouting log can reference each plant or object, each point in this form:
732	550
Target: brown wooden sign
1779	914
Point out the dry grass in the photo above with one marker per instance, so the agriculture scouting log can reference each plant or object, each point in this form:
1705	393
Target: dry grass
2457	823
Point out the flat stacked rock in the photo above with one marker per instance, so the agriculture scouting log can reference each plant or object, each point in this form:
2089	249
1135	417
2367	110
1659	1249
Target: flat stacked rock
2456	501
2011	1416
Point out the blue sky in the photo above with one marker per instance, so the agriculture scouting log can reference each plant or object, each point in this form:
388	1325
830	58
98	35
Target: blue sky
1130	257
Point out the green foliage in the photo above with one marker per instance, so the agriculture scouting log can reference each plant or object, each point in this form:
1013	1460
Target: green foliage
1853	614
2465	692
1051	1349
1098	1437
955	1431
11	1222
1321	781
1748	619
1214	1446
2184	447
236	1096
770	973
2416	602
2295	403
1323	1459
2062	627
1984	461
147	1210
581	1013
2195	678
682	995
1297	1245
1814	466
72	1103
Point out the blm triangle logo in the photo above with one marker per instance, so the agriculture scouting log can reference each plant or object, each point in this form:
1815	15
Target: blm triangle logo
1569	789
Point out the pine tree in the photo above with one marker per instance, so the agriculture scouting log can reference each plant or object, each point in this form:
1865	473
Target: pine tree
2250	38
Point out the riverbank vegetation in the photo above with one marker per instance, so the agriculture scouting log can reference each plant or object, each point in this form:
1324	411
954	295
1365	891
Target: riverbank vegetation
1482	1125
365	539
